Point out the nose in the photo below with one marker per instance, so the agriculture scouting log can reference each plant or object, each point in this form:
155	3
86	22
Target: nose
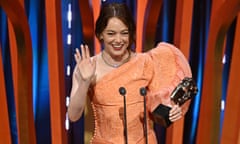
118	38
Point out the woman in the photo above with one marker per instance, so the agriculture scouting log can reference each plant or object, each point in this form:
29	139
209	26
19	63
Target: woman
101	76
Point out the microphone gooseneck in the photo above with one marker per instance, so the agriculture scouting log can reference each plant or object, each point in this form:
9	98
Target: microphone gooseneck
143	93
123	92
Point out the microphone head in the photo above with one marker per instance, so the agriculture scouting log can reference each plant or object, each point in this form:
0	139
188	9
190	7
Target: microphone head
143	91
122	91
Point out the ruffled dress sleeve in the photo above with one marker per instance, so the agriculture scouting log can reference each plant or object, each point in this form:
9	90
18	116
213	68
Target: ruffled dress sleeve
170	66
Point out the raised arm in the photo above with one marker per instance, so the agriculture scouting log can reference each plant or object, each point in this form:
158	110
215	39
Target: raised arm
82	77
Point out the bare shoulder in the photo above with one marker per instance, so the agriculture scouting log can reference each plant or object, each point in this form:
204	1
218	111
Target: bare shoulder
101	69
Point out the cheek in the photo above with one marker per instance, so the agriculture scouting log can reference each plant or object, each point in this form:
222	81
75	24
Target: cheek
126	39
108	40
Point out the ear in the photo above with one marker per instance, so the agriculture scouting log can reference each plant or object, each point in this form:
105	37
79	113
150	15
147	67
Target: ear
100	37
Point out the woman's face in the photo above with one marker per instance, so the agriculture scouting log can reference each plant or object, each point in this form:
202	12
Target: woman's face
115	37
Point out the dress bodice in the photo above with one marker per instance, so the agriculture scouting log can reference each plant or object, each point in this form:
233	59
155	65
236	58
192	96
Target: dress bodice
159	70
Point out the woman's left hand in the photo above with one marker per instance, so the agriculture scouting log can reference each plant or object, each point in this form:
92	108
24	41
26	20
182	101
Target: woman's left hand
175	113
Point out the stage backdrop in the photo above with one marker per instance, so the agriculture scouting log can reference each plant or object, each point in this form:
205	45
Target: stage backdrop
38	39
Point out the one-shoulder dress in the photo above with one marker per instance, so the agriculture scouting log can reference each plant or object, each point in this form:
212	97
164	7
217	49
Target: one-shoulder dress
159	70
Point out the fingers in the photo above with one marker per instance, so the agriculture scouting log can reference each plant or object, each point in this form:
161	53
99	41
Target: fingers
77	55
175	113
93	62
85	51
174	110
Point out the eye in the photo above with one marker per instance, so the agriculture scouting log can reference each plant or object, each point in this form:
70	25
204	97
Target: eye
125	33
110	33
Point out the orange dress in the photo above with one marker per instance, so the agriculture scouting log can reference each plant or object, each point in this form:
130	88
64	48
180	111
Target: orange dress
160	70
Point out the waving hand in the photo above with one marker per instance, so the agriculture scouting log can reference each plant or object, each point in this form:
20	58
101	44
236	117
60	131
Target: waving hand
86	66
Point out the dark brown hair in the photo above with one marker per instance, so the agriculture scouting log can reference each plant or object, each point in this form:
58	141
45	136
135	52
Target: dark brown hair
120	11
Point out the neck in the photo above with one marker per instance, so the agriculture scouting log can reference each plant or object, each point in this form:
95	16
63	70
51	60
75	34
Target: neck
116	61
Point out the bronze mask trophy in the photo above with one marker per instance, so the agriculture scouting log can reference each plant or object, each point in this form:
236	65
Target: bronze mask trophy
185	91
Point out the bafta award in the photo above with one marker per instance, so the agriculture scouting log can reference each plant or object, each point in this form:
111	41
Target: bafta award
185	91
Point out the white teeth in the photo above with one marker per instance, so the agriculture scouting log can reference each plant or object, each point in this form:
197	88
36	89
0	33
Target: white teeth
118	46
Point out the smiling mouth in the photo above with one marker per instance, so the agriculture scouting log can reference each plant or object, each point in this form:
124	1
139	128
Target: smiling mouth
117	47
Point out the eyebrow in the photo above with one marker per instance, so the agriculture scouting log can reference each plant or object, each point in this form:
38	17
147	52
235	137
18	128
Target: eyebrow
109	30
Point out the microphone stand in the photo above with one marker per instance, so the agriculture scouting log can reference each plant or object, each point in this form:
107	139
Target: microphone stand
122	91
143	93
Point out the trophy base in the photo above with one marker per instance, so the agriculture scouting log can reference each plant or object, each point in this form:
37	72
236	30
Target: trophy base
161	115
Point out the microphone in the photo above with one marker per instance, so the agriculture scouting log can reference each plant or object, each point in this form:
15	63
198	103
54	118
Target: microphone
123	92
143	93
